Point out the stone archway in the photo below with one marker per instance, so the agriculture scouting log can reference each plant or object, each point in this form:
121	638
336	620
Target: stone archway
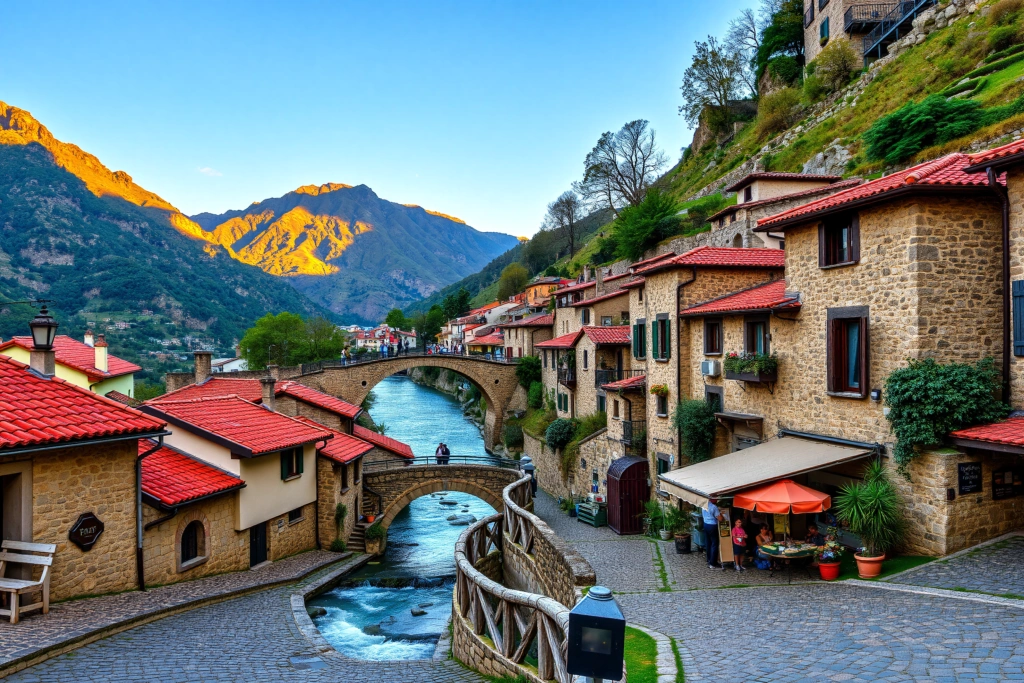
496	381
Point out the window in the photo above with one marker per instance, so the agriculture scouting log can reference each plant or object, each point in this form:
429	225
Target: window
664	463
662	406
848	351
640	294
357	470
640	339
585	316
602	405
606	320
661	338
585	359
291	463
715	397
545	354
748	193
1018	317
713	337
190	541
615	408
755	335
344	478
295	515
823	31
839	241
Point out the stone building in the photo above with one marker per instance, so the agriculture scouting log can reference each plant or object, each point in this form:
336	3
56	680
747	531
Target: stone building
66	453
87	364
521	335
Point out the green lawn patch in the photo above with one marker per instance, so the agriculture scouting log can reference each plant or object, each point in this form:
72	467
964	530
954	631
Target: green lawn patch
641	657
680	677
659	564
536	422
893	565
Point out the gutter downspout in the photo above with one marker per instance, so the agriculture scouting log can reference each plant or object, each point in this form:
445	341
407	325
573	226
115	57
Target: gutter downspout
679	360
1004	197
139	567
316	501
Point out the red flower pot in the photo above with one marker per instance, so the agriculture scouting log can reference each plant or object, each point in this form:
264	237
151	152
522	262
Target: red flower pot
829	572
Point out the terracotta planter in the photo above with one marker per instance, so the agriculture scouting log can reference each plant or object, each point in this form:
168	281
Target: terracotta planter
830	571
370	519
869	567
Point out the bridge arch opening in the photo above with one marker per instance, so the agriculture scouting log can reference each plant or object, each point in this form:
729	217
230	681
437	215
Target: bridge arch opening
435	487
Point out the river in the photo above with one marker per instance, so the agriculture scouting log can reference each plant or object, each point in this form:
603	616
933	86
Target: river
370	616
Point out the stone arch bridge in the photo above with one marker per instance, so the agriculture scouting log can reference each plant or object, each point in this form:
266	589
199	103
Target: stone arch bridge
496	381
395	487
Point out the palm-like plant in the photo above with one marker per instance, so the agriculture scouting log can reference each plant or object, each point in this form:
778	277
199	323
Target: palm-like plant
873	509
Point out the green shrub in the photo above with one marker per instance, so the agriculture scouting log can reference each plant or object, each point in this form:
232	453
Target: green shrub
695	420
998	65
535	396
784	68
512	435
932	121
585	426
375	532
1002	37
338	546
778	111
928	400
814	90
640	227
560	432
528	371
873	509
996	56
971	85
340	512
1005	11
836	64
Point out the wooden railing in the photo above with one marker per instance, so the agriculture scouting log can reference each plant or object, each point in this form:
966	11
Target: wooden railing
506	616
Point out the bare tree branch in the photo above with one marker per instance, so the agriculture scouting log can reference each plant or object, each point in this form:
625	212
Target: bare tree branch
565	214
621	167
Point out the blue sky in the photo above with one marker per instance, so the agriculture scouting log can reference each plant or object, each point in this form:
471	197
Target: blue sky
483	110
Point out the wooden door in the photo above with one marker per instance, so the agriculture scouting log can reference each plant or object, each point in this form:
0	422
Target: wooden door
257	544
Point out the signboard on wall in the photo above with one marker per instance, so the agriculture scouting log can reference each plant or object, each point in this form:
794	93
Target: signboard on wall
725	537
86	531
968	477
1005	484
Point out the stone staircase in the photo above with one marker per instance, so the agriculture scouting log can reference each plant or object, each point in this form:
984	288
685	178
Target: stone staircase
357	539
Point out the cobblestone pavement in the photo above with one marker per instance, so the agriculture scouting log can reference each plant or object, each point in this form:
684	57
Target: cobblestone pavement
834	633
994	568
76	618
251	638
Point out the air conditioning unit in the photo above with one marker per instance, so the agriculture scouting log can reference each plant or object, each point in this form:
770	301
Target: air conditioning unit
710	368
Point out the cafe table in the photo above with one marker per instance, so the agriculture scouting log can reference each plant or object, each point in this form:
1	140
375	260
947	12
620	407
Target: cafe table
787	555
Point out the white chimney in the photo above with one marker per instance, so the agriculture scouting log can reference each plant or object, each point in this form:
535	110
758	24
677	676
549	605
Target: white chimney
101	353
88	338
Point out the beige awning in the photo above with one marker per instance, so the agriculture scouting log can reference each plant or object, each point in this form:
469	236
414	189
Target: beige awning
777	459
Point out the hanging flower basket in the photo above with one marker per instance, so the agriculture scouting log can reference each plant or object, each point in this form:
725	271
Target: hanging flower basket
659	390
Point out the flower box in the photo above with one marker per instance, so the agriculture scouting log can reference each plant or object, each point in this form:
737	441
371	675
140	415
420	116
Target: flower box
763	377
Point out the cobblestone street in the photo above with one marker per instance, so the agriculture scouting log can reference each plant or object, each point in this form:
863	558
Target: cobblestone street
993	568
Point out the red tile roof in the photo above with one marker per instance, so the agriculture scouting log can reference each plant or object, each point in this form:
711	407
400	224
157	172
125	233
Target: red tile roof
123	399
249	389
173	478
251	429
343	447
603	297
613	278
814	191
762	297
997	154
566	341
35	411
626	384
1009	432
319	399
575	288
486	307
615	334
78	355
945	172
539	320
487	340
653	259
381	441
777	175
723	257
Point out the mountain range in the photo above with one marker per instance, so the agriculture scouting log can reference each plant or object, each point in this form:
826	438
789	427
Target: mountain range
91	239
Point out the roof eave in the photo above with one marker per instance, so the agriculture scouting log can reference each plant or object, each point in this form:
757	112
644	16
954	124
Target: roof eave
988	446
58	445
997	165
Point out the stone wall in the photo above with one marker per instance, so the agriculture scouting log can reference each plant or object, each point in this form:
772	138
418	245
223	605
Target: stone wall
548	473
288	538
1015	188
330	493
226	550
98	479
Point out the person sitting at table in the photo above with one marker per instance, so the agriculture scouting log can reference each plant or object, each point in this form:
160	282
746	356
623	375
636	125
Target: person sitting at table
764	538
814	537
739	544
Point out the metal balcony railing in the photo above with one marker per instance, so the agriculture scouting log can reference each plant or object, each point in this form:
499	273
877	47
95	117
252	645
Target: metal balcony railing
861	18
567	377
809	16
893	26
634	436
607	376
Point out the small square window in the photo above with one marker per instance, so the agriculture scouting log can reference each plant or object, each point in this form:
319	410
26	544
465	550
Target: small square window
291	463
606	320
294	515
839	241
713	337
748	193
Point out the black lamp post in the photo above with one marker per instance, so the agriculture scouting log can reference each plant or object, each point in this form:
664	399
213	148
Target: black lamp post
44	329
597	637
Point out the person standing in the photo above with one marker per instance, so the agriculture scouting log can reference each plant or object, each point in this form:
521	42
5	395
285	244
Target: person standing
712	515
739	544
445	453
439	454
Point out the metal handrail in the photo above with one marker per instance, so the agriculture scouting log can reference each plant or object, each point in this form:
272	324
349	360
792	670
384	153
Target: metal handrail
873	12
424	460
900	12
567	375
609	375
376	356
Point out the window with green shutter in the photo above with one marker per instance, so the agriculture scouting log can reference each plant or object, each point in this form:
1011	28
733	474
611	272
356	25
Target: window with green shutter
640	339
1018	317
654	339
661	338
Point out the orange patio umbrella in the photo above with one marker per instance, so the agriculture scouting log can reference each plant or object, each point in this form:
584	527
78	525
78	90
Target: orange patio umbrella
782	497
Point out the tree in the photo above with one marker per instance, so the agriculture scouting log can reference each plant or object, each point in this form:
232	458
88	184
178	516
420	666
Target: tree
322	341
528	371
454	305
784	35
513	280
273	339
744	40
564	214
428	325
621	167
836	64
711	81
396	319
640	227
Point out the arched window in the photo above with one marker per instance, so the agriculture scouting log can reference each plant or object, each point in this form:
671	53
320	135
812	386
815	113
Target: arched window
193	544
737	241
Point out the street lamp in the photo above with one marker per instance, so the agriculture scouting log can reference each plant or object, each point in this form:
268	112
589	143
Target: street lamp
597	637
44	329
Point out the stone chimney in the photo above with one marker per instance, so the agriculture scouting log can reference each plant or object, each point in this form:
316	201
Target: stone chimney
267	384
204	360
274	371
43	362
88	338
599	277
586	273
100	348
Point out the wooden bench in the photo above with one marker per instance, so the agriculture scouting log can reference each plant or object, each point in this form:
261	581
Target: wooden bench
14	588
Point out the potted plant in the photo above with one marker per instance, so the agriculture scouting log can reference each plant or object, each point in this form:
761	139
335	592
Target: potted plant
751	367
376	538
659	390
873	510
678	522
830	555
